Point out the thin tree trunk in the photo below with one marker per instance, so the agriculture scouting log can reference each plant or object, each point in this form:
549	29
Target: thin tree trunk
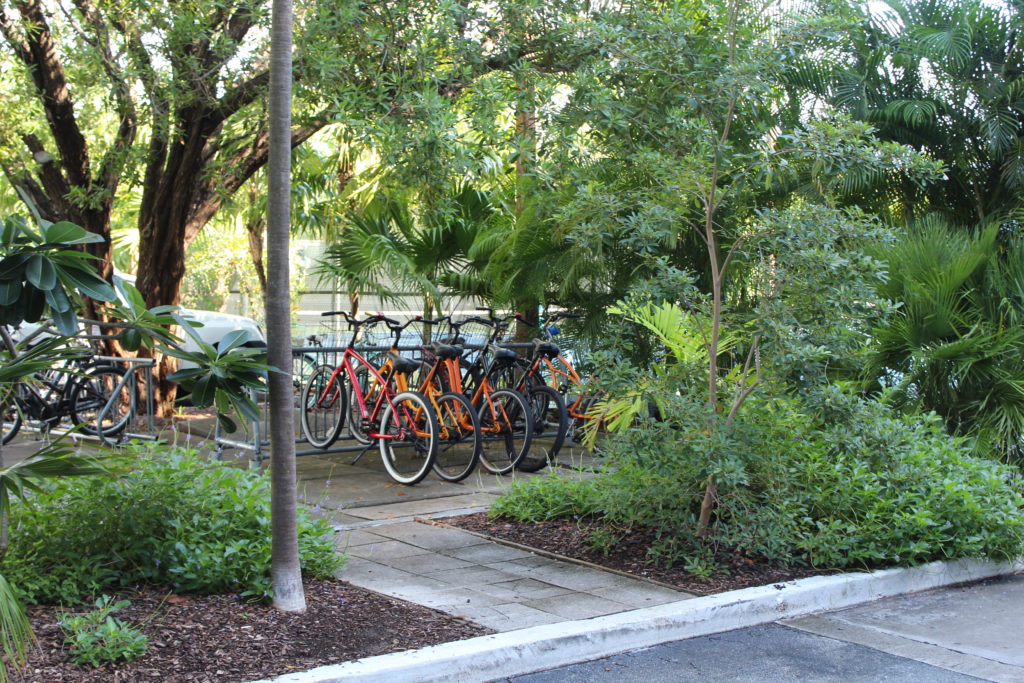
286	572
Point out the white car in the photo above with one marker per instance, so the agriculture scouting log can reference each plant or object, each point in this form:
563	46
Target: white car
215	325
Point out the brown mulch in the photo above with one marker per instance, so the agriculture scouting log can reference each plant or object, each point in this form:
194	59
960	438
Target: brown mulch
568	538
219	638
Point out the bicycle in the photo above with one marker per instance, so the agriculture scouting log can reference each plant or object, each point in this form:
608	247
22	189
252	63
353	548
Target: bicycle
79	389
402	423
564	378
506	419
523	374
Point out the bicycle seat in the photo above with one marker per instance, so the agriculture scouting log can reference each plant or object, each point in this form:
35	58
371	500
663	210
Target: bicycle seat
545	348
501	354
402	365
454	341
445	351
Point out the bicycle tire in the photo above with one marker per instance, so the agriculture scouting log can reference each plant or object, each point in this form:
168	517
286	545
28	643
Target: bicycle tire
10	422
459	441
355	416
93	392
550	420
507	430
408	437
323	407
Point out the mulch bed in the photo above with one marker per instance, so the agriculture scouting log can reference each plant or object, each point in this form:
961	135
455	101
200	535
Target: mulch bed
219	638
568	538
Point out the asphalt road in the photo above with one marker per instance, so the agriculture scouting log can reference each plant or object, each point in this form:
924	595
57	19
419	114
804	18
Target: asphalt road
961	633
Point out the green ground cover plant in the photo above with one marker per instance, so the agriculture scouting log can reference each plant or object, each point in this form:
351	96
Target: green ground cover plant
173	518
96	638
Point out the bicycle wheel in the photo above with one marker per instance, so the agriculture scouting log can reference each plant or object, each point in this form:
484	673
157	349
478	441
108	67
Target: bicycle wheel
323	407
98	393
550	425
577	425
506	424
408	437
11	420
355	416
458	446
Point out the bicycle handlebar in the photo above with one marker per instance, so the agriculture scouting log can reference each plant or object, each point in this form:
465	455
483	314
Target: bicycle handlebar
369	320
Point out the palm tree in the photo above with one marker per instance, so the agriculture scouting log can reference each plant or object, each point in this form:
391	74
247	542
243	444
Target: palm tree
386	243
943	76
956	344
285	569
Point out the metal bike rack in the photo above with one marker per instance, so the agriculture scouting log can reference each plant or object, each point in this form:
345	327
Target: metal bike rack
133	367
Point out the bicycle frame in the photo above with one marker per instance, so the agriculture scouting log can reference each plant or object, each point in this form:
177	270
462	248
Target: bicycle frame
384	396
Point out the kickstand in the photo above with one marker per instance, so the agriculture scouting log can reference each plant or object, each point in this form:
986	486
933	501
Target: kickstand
361	453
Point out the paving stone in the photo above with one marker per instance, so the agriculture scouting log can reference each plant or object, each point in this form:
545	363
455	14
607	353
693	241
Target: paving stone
427	563
559	573
449	599
386	549
354	539
485	553
427	536
338	518
425	507
474	577
510	617
640	595
478	613
577	606
522	589
358	570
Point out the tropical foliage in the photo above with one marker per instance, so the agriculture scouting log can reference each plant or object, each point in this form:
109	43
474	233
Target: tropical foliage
944	76
956	343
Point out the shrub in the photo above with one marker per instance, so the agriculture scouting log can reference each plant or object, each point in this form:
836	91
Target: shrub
832	480
173	519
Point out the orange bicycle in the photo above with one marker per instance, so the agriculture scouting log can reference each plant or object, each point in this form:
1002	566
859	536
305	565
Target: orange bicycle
459	436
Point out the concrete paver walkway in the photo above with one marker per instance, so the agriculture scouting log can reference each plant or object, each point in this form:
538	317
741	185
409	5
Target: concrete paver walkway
465	575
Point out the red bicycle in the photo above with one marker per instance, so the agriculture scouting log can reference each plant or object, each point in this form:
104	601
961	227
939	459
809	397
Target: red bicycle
402	423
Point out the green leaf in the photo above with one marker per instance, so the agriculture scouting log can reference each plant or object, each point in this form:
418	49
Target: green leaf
9	291
41	273
10	267
226	423
231	340
89	283
11	229
65	232
66	322
187	373
203	391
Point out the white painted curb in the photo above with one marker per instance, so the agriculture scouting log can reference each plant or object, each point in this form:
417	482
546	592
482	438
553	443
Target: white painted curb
514	653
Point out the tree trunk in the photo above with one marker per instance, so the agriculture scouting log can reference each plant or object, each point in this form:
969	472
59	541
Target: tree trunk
286	572
254	230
